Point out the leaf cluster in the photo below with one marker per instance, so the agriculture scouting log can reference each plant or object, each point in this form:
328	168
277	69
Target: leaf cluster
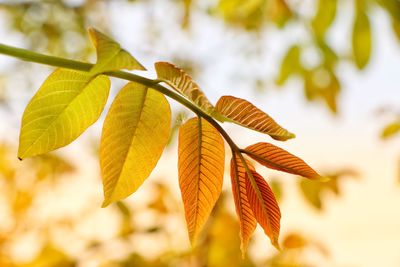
137	128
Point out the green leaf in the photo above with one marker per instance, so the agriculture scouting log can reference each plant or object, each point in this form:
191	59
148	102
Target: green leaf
135	132
326	12
110	55
66	104
362	39
290	64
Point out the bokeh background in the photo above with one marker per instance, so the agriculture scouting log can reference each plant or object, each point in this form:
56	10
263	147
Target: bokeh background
327	70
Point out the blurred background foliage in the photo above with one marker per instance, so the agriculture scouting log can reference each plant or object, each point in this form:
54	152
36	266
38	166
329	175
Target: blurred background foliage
21	196
58	27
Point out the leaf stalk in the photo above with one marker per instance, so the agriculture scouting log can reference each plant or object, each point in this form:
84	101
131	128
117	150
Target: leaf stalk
31	56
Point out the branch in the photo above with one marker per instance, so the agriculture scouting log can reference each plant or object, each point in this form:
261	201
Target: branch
31	56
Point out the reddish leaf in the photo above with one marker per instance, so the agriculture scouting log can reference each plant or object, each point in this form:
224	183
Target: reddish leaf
244	113
247	221
184	84
276	158
264	205
201	170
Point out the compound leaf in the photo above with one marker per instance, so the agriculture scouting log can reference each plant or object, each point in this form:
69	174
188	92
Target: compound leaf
135	132
201	169
65	105
247	221
244	113
184	84
110	55
264	205
276	158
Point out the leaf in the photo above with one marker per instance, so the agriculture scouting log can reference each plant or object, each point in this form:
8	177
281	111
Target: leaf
201	161
264	205
250	15
326	12
362	39
247	221
295	241
312	192
184	84
276	158
110	55
134	135
330	56
290	64
244	113
322	83
390	130
279	12
65	105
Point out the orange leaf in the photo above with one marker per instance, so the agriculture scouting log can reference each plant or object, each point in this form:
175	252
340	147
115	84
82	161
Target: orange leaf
184	84
264	206
244	113
247	221
201	154
276	158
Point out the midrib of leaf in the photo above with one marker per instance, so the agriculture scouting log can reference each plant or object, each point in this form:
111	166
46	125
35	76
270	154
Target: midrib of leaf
199	139
106	60
267	161
237	182
20	157
258	192
142	102
209	109
241	207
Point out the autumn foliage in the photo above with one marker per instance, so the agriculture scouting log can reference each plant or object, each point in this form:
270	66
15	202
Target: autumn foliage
137	128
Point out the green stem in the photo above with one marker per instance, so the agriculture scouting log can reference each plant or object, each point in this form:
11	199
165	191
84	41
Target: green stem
31	56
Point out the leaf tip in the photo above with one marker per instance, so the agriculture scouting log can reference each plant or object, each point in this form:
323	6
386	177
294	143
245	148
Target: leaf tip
243	248
276	245
106	203
285	137
193	242
92	32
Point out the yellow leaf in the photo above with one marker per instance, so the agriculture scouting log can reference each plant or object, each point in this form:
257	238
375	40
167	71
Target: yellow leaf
184	84
201	170
110	55
264	205
391	129
276	158
247	14
135	132
247	221
244	113
65	105
294	241
326	12
278	11
290	64
362	39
